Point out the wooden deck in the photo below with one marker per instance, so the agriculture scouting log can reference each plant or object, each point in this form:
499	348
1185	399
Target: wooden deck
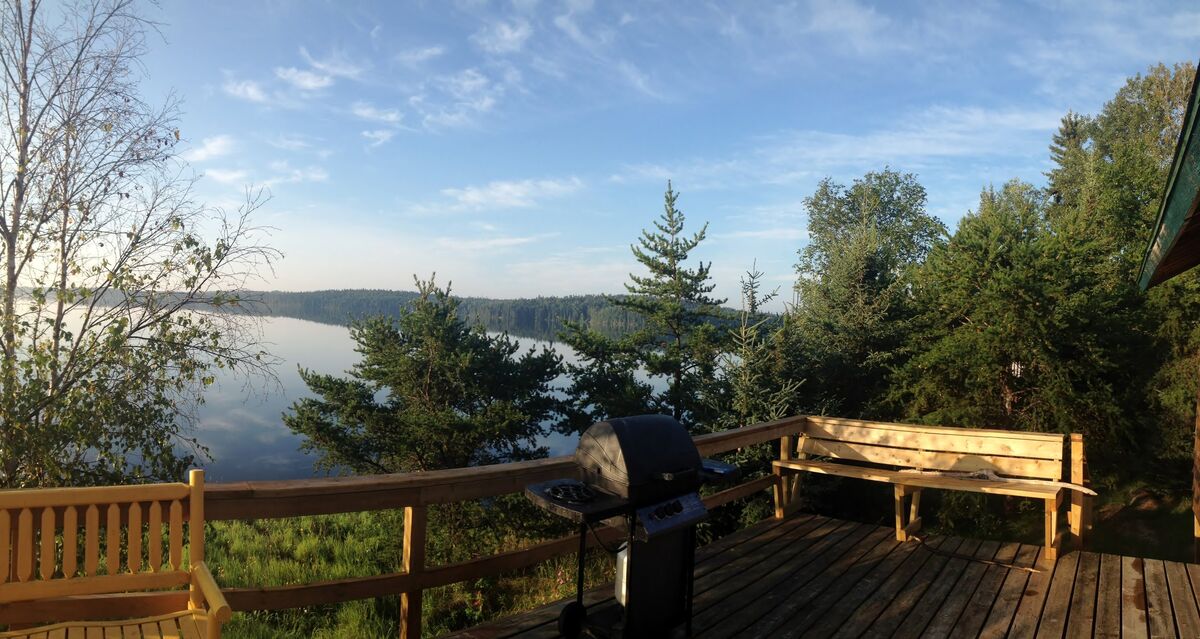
811	576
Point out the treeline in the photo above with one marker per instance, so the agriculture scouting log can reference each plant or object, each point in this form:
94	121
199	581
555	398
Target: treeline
538	317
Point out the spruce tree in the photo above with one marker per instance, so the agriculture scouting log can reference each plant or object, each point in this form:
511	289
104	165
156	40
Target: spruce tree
677	342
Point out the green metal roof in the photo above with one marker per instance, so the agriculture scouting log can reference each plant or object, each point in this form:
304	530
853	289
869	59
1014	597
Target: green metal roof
1175	246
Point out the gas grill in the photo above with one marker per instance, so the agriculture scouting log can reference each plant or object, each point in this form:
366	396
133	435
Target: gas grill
640	475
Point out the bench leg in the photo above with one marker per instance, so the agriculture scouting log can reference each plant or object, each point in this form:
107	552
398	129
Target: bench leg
907	526
781	492
914	514
1053	541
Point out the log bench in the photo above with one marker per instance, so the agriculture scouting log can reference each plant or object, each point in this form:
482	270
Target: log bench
60	544
890	453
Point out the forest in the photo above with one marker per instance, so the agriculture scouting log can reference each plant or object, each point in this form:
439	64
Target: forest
539	317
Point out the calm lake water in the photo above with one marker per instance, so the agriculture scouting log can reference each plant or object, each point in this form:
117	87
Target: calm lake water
240	422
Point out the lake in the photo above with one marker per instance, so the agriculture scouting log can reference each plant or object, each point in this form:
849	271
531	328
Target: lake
240	421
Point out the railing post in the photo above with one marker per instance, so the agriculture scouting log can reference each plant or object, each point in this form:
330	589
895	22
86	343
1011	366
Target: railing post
414	563
195	531
1080	506
782	495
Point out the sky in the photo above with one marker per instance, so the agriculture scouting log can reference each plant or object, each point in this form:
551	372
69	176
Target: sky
517	148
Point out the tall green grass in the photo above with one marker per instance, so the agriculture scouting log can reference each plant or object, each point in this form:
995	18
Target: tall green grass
309	549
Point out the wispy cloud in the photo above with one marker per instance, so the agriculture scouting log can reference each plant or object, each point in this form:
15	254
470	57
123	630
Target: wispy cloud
503	37
639	80
227	176
302	79
414	57
368	111
455	100
378	137
285	173
850	23
511	194
210	148
290	142
490	243
337	64
933	135
248	90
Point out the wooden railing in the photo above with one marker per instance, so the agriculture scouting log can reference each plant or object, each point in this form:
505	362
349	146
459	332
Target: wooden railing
413	492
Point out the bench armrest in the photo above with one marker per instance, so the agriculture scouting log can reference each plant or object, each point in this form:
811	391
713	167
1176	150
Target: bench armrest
217	606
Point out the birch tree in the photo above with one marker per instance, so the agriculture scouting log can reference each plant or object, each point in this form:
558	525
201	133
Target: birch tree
112	269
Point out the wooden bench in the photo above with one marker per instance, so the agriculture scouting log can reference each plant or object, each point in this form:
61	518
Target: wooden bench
60	543
883	452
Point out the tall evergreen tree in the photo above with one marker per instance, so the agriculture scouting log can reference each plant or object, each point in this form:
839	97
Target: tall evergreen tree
677	342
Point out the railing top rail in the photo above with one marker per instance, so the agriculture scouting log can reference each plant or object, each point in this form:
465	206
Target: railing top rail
88	495
295	498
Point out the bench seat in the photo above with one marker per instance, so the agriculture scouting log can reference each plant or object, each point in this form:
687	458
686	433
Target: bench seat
192	624
1014	488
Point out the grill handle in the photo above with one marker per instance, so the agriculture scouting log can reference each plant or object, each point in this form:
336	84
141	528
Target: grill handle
686	474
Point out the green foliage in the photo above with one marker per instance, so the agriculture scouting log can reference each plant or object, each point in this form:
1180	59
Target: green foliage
430	392
1020	332
854	310
678	341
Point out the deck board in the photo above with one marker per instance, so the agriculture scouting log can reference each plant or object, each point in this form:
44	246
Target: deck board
812	576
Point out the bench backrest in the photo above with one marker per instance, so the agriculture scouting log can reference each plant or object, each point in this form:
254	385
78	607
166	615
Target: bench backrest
1010	453
58	542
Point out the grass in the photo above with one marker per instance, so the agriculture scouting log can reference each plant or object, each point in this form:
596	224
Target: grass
308	549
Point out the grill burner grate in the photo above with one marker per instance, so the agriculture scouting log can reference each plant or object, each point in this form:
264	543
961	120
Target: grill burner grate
572	492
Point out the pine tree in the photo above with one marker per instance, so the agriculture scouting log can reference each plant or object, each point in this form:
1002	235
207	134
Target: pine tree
677	342
1071	157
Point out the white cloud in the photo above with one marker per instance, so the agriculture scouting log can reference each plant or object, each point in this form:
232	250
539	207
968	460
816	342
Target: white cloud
489	243
336	64
378	136
210	148
414	57
248	90
503	37
850	23
227	176
639	80
367	111
510	194
456	99
290	143
284	173
303	80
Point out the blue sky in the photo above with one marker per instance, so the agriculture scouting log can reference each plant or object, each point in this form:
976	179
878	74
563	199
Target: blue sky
519	147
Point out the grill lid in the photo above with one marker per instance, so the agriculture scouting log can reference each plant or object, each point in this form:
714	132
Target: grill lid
627	453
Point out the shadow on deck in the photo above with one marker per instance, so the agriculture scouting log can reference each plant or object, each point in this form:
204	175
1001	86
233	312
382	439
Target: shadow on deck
811	576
